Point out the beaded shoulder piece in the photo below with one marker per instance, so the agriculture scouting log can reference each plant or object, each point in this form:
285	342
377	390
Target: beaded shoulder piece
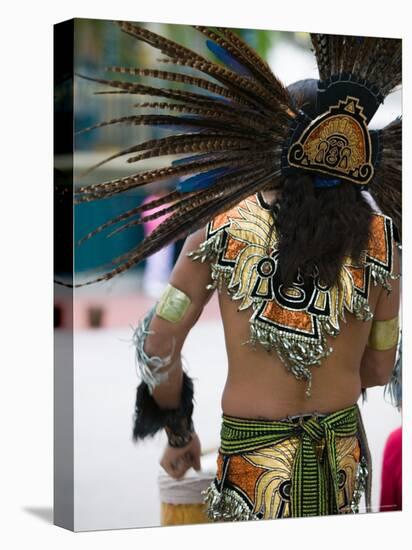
294	322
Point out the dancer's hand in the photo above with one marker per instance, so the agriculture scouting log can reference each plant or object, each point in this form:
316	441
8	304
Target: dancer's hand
176	461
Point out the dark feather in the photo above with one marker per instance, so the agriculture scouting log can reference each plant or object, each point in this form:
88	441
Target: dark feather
386	185
149	418
376	60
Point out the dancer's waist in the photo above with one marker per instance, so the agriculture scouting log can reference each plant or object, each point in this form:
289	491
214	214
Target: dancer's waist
244	434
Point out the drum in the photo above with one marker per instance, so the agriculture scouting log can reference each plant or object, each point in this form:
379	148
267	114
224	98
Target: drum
181	501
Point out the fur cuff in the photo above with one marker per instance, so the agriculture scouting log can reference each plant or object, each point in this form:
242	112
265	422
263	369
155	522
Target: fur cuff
149	418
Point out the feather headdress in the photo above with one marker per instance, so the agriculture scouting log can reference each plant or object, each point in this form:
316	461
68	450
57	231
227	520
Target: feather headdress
241	132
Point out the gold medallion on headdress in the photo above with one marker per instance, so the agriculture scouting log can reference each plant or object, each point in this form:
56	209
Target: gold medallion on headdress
336	143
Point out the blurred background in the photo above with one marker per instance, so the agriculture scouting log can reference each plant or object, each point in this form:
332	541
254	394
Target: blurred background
117	481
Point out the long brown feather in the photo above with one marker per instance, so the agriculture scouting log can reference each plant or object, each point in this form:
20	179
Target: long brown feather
176	144
120	185
170	197
386	186
180	78
176	226
238	53
183	56
256	61
141	89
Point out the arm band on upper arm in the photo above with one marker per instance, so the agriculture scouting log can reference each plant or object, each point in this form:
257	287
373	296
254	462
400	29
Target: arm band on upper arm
384	334
173	304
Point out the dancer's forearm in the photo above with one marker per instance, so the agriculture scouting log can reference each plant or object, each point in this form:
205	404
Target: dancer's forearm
167	394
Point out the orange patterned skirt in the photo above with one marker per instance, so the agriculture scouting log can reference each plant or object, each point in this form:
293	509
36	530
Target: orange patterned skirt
257	484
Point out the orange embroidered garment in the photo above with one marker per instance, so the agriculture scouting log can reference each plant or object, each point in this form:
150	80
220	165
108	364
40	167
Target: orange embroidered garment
241	245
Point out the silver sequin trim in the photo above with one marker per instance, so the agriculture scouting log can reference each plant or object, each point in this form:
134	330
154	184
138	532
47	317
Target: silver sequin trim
226	506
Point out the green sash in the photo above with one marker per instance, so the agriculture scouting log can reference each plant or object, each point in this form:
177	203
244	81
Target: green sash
314	482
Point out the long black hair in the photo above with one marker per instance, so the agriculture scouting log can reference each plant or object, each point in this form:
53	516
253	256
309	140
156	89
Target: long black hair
318	227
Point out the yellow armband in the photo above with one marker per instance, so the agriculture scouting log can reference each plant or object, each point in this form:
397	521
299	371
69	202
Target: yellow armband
173	304
384	334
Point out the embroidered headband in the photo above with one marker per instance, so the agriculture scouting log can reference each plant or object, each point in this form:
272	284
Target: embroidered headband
337	141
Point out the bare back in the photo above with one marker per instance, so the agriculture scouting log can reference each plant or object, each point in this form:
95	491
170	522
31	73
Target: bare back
258	384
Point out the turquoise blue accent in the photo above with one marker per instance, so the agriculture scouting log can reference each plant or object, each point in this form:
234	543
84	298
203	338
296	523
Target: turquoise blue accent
200	181
192	158
225	57
320	182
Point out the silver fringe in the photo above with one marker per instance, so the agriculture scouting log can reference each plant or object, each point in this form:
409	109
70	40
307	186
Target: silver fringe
150	367
360	485
226	505
394	386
